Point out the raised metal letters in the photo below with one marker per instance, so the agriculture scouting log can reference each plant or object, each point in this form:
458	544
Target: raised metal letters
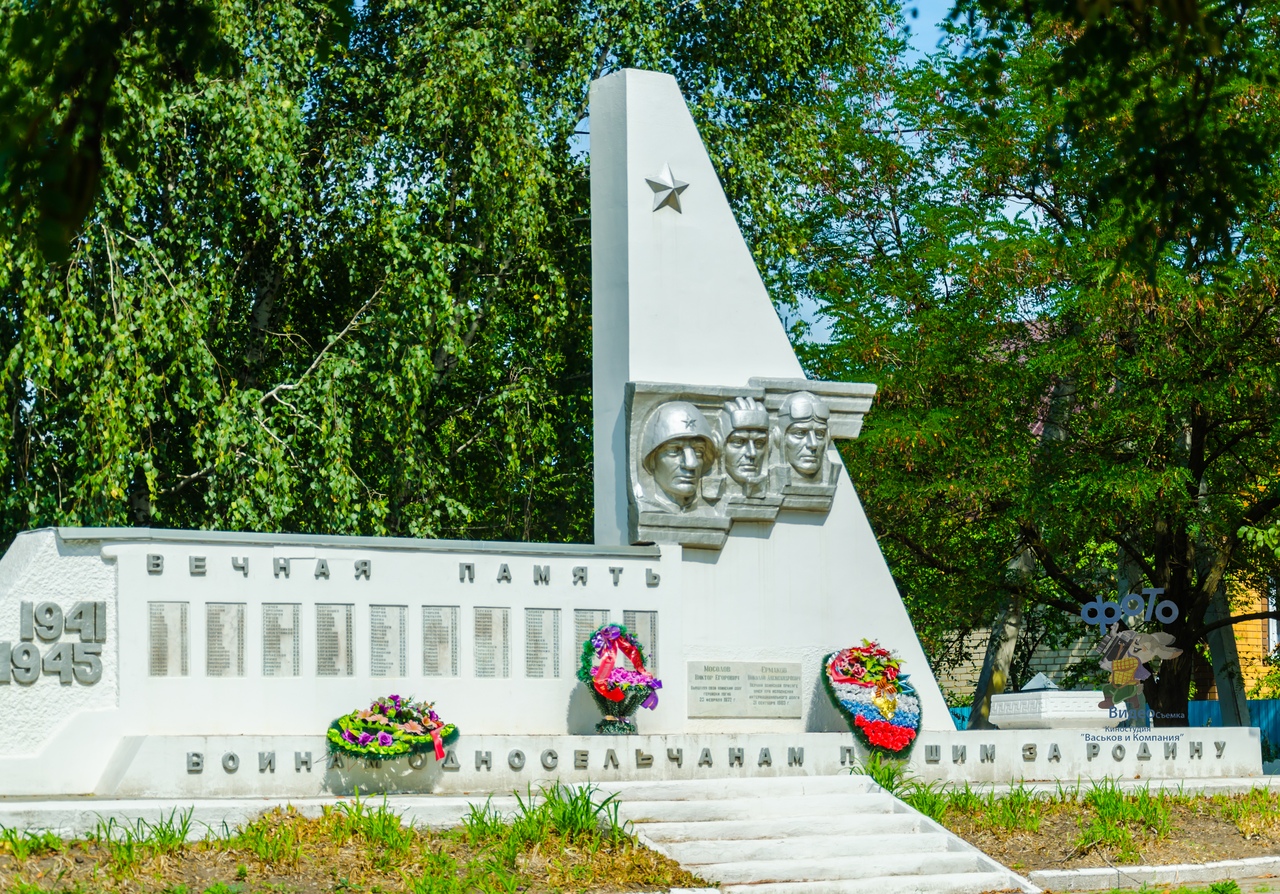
701	458
542	642
440	640
493	642
48	621
80	662
644	626
334	641
169	650
224	633
281	639
25	659
387	641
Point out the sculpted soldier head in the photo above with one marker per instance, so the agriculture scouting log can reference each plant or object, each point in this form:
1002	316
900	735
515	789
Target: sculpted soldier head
802	423
678	448
746	447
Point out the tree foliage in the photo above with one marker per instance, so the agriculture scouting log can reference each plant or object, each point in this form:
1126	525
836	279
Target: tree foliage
272	266
1057	256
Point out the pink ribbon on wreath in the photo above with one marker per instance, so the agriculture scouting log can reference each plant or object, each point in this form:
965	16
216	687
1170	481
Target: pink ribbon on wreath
435	740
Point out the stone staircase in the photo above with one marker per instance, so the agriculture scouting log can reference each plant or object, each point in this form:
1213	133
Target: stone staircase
807	835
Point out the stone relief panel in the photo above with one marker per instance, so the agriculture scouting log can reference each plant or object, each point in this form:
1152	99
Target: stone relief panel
702	457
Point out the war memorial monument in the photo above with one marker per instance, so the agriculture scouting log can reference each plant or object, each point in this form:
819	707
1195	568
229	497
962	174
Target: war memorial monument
729	540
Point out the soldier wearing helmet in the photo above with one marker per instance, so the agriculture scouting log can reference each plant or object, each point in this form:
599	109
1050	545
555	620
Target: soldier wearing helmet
803	432
677	448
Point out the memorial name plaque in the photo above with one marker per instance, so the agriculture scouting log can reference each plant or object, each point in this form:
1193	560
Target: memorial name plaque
773	689
387	655
586	621
281	644
333	641
440	641
493	642
169	648
224	639
761	690
644	627
542	642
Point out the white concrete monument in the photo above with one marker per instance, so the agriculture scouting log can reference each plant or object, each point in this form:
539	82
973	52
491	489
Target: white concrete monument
729	540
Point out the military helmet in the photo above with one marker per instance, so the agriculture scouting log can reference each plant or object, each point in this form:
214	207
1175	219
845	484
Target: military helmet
676	419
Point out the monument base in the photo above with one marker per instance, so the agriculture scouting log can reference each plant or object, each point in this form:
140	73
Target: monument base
200	767
1052	709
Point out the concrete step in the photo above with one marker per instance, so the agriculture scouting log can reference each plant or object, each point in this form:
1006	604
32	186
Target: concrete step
839	868
801	847
780	827
721	789
750	808
949	883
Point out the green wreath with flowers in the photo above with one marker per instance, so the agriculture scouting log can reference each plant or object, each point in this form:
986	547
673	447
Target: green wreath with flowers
390	728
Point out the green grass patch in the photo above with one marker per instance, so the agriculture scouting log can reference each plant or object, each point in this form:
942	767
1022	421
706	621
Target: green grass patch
559	839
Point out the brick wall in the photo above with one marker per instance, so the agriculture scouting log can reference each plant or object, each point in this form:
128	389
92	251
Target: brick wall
1251	646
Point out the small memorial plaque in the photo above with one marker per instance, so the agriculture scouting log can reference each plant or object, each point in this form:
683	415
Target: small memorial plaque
493	642
224	639
281	644
762	690
542	642
773	689
387	655
644	627
440	641
168	635
333	641
587	621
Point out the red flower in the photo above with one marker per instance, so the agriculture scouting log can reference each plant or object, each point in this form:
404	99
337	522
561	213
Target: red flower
890	672
883	734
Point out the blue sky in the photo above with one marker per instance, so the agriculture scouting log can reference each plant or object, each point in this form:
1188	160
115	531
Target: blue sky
924	27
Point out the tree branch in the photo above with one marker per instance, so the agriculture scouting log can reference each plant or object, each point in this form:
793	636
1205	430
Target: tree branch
274	393
1239	619
1135	555
1051	566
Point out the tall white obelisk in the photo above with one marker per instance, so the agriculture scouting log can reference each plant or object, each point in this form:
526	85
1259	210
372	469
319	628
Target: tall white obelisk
677	298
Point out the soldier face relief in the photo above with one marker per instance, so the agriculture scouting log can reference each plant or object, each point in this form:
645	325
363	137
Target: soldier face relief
679	448
803	420
677	468
745	451
805	442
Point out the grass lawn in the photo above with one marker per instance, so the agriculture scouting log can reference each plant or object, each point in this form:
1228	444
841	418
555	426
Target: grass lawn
566	840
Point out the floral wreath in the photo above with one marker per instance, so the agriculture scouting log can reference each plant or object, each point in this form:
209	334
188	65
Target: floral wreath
608	679
617	690
866	683
391	727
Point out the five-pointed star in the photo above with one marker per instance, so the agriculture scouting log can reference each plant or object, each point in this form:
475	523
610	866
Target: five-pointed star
666	189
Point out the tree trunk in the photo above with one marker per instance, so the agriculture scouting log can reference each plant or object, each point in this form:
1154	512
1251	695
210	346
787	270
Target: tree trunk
1226	663
1166	691
996	664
